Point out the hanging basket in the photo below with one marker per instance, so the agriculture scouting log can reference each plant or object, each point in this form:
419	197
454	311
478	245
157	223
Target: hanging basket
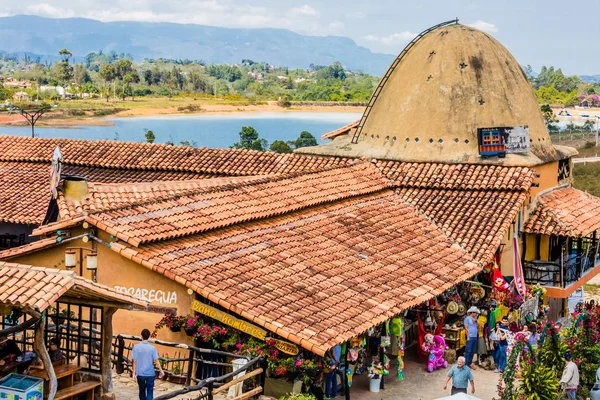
175	328
190	330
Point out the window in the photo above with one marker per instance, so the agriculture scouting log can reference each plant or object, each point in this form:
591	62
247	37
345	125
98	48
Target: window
564	169
491	142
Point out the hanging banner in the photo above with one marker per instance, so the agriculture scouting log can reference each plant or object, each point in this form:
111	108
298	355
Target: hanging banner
518	269
55	171
230	320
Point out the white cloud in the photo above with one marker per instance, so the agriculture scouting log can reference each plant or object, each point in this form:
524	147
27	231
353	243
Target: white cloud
484	26
46	10
304	10
393	39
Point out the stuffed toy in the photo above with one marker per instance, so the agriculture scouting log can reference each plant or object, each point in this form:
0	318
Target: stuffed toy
435	346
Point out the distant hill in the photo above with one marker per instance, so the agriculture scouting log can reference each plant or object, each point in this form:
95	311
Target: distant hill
590	78
45	36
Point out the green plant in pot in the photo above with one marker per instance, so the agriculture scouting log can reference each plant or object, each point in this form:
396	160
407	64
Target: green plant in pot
171	321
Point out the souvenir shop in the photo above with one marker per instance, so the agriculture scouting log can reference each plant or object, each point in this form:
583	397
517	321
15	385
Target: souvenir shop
434	332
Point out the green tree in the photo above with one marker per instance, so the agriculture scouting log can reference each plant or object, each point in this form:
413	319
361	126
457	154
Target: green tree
129	79
279	146
305	139
5	93
108	74
63	70
150	137
249	140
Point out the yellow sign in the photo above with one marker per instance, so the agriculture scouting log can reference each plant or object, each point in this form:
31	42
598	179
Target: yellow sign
227	319
285	347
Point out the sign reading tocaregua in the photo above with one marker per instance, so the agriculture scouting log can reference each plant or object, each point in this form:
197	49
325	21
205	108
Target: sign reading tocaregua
227	319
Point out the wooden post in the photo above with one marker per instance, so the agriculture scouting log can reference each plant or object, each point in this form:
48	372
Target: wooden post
381	355
40	348
210	390
345	379
106	367
190	369
263	376
120	350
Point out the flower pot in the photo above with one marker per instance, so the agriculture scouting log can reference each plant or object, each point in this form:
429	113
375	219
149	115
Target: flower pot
190	330
177	379
175	328
310	372
279	387
374	384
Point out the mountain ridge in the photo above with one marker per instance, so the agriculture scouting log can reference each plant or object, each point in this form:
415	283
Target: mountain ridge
45	36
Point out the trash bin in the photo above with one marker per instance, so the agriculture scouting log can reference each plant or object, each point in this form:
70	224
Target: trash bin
236	390
21	387
374	384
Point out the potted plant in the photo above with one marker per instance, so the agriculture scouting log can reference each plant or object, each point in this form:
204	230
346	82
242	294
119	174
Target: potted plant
164	364
191	325
176	375
376	371
171	321
309	367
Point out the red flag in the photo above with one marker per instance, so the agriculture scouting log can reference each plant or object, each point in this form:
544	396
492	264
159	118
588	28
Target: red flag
498	281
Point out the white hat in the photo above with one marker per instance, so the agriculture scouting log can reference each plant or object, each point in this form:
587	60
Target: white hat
473	309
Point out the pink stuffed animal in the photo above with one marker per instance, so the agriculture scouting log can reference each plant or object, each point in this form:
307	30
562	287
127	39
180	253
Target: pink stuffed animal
435	346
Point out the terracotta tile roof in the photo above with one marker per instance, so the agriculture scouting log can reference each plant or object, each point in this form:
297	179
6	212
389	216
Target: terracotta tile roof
36	288
478	220
320	275
145	156
103	196
25	192
341	131
25	186
27	248
205	209
565	212
456	176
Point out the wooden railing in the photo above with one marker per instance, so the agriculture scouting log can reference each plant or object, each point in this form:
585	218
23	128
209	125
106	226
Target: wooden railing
200	370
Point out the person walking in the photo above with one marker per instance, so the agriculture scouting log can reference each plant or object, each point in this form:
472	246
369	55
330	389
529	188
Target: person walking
144	356
331	383
570	377
461	375
472	335
494	344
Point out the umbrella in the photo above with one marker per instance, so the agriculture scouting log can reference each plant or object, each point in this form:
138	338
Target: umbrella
459	396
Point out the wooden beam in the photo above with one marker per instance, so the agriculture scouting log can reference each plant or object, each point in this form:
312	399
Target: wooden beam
107	331
40	347
21	327
251	393
94	303
238	380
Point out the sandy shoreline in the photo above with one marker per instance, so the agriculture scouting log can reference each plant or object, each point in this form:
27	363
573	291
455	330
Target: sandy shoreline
56	120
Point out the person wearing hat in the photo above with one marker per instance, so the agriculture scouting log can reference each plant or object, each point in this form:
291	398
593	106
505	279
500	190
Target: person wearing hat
472	328
570	377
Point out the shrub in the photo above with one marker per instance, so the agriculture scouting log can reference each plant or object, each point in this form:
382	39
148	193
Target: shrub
189	108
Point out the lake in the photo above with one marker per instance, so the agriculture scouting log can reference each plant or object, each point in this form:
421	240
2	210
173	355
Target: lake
216	131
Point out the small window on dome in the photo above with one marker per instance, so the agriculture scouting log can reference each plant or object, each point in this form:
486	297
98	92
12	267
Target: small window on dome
491	142
417	139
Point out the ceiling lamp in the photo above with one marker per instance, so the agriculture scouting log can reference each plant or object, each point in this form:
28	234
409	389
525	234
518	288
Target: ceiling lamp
70	259
92	261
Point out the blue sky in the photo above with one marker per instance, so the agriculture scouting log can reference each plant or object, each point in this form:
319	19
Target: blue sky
560	33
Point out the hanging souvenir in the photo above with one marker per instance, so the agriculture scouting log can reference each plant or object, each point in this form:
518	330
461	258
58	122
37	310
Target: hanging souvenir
397	325
462	309
498	281
452	307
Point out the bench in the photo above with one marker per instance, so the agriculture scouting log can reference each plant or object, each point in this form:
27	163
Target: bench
83	387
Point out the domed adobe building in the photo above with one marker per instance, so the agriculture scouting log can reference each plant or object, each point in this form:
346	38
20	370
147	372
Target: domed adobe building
455	97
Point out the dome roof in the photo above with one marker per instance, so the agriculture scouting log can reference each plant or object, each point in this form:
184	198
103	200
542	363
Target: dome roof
452	81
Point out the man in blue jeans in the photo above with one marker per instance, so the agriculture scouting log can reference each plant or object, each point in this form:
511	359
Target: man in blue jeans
331	384
472	335
144	355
